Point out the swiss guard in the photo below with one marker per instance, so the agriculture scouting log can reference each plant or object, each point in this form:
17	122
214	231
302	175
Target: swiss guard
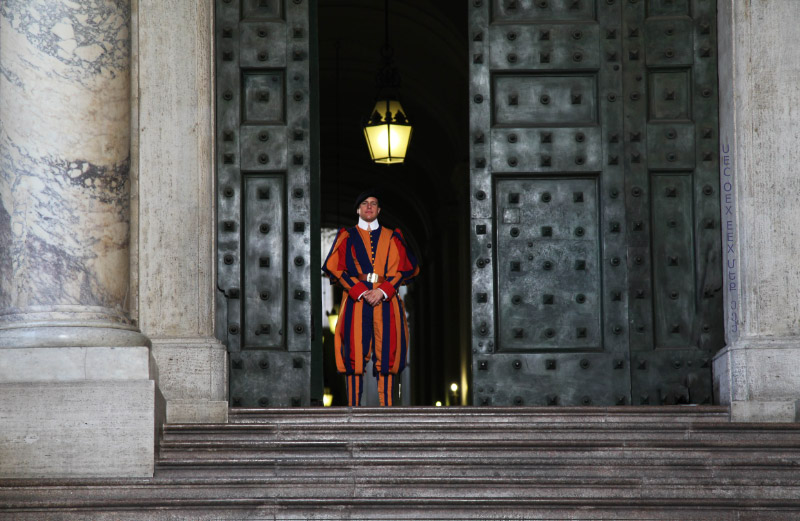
371	263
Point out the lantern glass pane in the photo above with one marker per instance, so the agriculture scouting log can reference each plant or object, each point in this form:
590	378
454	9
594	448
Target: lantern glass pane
388	143
373	133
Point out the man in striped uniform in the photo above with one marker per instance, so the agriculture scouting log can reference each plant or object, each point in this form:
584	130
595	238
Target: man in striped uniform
371	263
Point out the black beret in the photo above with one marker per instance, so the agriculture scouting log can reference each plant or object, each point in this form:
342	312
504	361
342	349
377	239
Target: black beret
363	196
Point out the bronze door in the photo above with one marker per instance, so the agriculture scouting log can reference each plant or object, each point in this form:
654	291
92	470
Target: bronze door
265	245
594	201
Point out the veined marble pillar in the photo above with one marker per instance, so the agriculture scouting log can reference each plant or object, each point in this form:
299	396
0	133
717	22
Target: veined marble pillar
758	372
64	151
76	395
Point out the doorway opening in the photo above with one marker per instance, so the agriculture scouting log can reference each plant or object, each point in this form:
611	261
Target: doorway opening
427	196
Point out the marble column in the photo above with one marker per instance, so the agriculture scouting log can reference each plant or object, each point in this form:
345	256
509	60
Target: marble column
758	372
74	369
64	165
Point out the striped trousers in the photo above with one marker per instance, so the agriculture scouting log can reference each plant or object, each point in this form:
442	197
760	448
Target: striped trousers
355	387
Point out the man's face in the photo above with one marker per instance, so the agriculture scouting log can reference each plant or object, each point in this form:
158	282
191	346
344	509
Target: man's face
369	209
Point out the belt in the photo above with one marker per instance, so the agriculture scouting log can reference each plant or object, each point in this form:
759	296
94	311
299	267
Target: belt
371	277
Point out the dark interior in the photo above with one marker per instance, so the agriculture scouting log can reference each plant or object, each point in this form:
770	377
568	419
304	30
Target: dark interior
426	197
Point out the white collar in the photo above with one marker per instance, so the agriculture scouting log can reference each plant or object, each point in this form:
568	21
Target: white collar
364	225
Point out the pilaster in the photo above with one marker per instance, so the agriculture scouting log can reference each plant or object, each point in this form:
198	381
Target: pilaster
174	225
758	372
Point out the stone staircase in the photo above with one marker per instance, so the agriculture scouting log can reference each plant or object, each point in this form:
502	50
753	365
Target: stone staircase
659	463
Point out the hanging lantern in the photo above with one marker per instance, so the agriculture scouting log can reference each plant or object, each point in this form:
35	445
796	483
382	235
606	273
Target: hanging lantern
387	129
388	132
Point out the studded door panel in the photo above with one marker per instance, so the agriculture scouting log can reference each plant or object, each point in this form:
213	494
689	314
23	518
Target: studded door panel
263	199
672	193
595	260
548	290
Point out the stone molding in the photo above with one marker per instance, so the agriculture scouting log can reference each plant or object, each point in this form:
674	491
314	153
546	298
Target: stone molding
28	335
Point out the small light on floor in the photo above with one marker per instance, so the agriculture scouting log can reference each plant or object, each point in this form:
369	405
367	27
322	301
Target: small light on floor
438	404
327	398
333	317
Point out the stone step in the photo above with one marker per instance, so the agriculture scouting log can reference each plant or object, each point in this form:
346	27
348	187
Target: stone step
650	468
578	463
75	492
253	498
428	509
443	415
420	432
424	508
450	448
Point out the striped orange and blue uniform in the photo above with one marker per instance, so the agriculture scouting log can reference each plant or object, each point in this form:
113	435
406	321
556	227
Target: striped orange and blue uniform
363	331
